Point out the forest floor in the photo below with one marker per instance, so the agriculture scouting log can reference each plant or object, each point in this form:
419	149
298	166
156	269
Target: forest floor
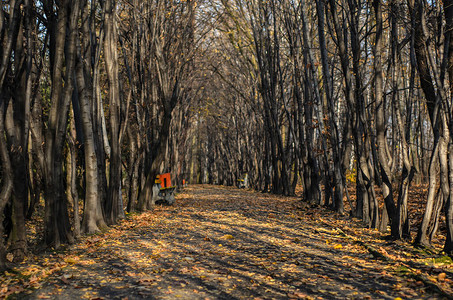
226	243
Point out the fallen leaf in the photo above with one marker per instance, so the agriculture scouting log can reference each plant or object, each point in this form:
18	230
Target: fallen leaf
71	260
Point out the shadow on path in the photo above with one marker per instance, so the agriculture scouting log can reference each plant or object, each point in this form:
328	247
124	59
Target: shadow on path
223	243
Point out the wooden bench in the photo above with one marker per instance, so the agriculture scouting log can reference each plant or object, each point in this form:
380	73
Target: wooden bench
163	191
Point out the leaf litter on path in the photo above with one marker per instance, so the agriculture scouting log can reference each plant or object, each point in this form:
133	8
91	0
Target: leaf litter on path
226	243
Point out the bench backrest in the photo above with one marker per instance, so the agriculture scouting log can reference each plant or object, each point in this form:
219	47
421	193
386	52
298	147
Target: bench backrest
165	180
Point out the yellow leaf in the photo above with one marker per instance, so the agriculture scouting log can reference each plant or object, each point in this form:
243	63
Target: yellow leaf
70	260
338	246
228	237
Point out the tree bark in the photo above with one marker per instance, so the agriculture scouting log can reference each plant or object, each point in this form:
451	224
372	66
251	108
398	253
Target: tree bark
385	160
93	219
57	225
111	206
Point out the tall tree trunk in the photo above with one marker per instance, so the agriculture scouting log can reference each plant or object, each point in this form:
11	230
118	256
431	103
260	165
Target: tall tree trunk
111	60
93	219
72	187
328	91
402	218
57	225
145	201
10	24
7	183
385	160
426	81
448	11
16	123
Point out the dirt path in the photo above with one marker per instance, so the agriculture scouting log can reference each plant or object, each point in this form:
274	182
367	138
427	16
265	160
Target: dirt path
219	243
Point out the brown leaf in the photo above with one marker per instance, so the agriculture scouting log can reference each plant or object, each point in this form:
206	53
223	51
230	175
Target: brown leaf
441	276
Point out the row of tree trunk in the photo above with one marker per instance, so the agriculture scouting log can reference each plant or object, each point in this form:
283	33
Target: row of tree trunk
97	97
88	90
332	93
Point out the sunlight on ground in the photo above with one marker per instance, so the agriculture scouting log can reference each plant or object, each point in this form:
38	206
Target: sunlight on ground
222	243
